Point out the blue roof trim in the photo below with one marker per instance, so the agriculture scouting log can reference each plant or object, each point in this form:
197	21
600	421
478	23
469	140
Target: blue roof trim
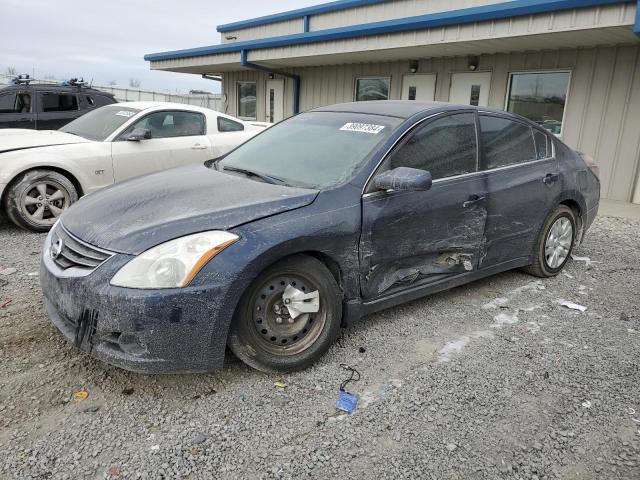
299	13
454	17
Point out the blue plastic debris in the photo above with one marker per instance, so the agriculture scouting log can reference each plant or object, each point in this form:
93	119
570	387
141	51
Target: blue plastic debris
347	402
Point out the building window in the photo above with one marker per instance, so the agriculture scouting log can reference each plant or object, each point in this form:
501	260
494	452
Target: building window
372	88
540	97
247	100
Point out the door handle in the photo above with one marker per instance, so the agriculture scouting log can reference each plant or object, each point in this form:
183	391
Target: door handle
550	178
197	146
471	200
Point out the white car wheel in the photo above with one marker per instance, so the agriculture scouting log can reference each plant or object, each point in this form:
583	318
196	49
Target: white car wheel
36	199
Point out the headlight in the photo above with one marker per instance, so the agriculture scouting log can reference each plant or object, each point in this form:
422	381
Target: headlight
173	264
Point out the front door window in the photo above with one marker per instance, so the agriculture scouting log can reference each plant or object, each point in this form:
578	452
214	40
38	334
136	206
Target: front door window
444	147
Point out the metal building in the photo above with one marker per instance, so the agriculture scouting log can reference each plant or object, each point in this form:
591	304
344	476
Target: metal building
571	65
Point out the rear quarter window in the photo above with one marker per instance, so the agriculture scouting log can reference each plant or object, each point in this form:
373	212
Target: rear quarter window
543	145
228	125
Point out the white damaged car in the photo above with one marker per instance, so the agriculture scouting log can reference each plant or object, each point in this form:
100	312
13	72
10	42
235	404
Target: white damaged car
43	172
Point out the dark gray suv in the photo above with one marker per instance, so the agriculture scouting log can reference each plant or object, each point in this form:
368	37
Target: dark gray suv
46	106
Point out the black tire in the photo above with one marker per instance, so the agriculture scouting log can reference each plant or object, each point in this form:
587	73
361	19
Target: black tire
540	267
261	343
26	186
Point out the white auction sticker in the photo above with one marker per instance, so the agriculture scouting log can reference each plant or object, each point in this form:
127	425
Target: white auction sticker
362	127
125	113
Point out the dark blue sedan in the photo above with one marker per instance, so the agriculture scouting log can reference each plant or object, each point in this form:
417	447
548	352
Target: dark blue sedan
323	218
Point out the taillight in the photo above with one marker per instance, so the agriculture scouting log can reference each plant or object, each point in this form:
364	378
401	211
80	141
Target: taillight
595	168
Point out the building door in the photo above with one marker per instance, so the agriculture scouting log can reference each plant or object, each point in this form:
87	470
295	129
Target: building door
274	101
470	88
421	87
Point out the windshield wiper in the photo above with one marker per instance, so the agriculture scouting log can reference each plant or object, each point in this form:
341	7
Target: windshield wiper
261	176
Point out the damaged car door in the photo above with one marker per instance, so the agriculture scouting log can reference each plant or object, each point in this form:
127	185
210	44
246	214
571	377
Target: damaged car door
523	182
412	238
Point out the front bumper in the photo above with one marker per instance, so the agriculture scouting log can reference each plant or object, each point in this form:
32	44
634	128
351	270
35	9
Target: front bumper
150	331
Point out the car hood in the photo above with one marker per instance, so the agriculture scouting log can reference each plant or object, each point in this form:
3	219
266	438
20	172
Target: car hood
133	216
18	139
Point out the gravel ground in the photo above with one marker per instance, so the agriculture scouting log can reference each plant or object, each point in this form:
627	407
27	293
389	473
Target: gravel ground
491	380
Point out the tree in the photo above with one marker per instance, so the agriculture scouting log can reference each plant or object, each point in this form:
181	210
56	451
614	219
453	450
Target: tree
11	71
134	82
112	82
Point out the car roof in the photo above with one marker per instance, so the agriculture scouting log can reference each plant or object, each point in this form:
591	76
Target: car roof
177	106
51	86
398	108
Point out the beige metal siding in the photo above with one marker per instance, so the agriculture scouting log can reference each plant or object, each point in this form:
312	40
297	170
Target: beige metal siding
619	14
286	27
568	29
602	115
390	10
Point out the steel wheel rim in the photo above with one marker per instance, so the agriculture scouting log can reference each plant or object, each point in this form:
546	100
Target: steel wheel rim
43	202
558	242
284	337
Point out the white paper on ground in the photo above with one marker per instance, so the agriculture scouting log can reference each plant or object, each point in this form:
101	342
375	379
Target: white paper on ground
572	306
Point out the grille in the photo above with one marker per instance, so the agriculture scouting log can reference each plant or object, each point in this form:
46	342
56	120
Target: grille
68	251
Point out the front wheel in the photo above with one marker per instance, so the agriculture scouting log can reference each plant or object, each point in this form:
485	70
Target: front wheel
554	244
37	198
289	316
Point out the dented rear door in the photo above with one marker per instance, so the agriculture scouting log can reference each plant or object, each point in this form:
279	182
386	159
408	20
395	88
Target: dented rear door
523	183
419	237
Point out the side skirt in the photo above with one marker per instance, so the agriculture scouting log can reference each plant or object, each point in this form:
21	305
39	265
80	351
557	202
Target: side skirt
416	292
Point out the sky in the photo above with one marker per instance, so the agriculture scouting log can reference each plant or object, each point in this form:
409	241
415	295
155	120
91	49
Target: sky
107	40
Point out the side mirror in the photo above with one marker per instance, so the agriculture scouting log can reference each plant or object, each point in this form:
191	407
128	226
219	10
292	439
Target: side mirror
138	134
403	178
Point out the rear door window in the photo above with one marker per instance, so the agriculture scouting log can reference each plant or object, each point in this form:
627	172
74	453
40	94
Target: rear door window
505	142
58	102
445	147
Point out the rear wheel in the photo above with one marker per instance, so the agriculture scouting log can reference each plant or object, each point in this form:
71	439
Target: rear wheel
289	316
554	244
37	198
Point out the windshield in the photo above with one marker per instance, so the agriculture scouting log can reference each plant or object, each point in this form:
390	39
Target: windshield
100	123
315	149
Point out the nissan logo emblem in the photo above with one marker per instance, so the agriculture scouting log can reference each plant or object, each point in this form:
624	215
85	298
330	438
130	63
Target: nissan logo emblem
56	248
